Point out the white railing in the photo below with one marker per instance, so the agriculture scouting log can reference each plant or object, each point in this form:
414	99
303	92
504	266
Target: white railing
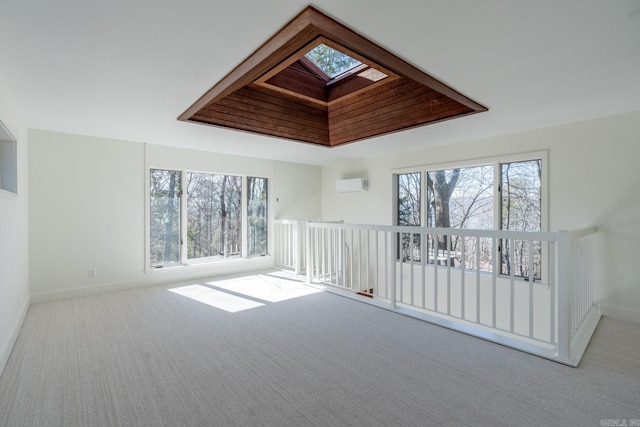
538	298
575	270
290	238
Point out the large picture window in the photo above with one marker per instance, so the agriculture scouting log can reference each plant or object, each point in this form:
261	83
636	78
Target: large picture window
214	215
197	217
497	194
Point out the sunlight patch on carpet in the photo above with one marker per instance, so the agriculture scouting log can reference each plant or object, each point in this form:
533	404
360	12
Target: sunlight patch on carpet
265	288
217	299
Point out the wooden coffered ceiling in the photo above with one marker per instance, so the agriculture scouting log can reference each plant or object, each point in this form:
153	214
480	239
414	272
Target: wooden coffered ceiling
278	91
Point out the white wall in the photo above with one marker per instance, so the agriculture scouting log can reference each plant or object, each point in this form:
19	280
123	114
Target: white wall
14	235
87	203
88	210
594	178
297	191
294	188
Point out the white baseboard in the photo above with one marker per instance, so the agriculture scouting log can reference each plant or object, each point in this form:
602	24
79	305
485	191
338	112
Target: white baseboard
7	346
621	313
160	277
583	335
88	290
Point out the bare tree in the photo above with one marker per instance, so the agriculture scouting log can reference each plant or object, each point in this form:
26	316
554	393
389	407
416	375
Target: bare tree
331	61
168	236
441	190
521	211
165	215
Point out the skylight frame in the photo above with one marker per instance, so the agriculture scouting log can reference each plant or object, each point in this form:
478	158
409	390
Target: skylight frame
330	83
413	99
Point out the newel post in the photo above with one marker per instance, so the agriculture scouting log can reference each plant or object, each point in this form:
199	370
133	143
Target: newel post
307	251
393	259
299	247
564	294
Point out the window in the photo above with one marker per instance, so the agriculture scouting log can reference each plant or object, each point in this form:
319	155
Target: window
8	161
214	215
408	213
165	217
468	197
521	189
409	199
332	62
460	198
257	216
205	211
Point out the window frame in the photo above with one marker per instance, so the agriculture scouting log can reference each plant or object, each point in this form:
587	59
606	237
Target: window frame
149	212
212	258
206	261
8	157
245	216
496	162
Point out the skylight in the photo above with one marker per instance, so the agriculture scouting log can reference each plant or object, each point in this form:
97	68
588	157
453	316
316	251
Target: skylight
331	61
319	82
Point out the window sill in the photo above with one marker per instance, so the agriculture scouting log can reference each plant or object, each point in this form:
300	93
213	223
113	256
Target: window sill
4	194
213	264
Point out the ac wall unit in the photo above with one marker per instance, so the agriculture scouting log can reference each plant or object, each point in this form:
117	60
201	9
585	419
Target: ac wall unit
351	185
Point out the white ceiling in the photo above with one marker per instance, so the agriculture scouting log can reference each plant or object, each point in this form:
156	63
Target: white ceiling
126	69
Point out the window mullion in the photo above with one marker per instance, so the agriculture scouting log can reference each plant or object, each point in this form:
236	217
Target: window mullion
497	200
424	200
394	194
497	217
183	217
244	222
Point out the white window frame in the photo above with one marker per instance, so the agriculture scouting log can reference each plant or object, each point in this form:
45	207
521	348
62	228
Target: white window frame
184	261
245	216
496	162
8	163
497	179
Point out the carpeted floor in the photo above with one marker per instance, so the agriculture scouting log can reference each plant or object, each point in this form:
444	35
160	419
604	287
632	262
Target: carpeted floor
267	351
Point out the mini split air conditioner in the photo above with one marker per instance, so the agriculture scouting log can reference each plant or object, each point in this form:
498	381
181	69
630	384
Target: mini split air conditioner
351	185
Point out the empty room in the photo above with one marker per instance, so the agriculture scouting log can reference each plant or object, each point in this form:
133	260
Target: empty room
338	213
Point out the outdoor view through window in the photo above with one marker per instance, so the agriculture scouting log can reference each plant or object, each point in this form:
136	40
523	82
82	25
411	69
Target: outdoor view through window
214	214
332	62
465	198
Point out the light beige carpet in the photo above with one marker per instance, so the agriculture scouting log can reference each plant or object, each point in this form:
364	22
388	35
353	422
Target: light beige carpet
290	356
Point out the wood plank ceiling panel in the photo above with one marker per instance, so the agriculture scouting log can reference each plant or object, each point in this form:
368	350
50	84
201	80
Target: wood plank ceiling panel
277	91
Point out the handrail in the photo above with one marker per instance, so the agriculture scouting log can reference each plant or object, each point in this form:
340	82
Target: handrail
544	312
501	234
